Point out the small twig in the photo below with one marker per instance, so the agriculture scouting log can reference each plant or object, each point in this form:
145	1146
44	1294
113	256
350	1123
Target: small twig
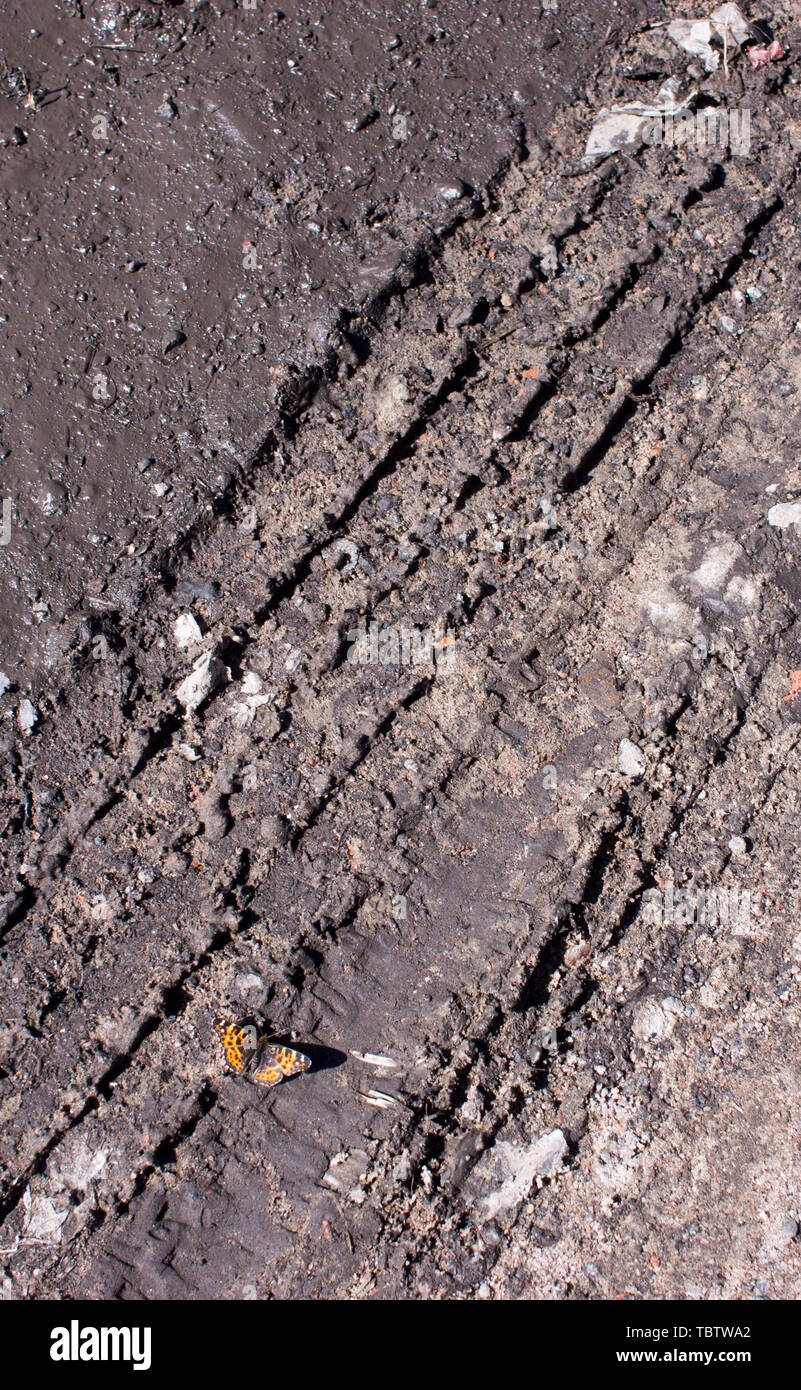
507	333
119	48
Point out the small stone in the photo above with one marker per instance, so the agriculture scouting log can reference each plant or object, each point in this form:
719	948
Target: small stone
346	1171
249	984
453	192
738	845
576	953
26	715
362	121
391	399
206	675
186	631
655	1020
251	683
785	514
274	830
5	682
630	759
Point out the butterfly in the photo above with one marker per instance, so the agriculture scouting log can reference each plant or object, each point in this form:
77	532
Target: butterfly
255	1057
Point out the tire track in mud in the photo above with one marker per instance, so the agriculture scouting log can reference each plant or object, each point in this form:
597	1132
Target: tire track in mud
501	1030
595	1017
281	582
379	723
560	991
147	743
736	730
592	454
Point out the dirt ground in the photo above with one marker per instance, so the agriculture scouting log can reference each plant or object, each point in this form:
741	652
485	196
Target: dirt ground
199	199
402	655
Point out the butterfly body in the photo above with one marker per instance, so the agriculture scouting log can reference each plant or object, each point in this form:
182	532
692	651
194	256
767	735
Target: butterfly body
255	1057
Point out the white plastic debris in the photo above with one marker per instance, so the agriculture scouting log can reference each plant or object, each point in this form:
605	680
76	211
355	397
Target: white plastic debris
242	715
520	1166
616	127
730	22
43	1222
206	675
252	688
186	631
785	514
614	130
77	1168
695	36
727	24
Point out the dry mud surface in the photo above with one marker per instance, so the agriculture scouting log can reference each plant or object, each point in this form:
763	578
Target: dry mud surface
566	443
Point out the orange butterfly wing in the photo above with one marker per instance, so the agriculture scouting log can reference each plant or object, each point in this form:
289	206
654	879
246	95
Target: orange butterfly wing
274	1063
239	1044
